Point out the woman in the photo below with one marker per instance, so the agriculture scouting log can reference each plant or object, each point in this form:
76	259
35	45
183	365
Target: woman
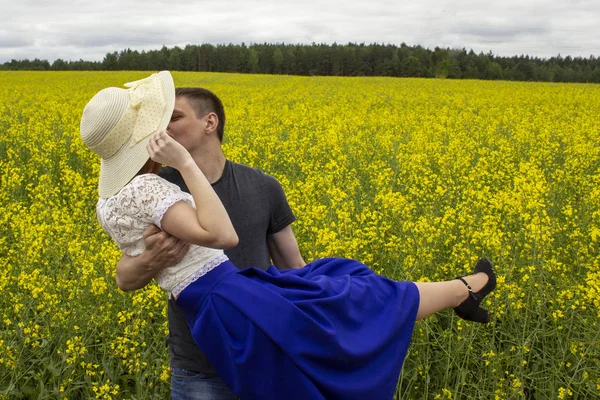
331	330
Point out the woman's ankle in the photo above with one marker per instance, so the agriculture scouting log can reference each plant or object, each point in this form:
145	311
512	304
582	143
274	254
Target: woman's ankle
476	281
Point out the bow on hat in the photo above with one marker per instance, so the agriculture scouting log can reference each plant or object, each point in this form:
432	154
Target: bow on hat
147	98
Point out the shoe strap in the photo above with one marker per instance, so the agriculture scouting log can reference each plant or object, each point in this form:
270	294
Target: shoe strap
466	284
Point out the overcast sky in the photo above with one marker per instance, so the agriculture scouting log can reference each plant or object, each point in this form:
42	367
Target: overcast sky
84	29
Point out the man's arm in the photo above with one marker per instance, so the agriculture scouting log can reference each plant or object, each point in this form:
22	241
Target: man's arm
284	250
162	250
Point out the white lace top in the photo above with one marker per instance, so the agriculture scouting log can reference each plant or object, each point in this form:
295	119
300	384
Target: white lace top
142	202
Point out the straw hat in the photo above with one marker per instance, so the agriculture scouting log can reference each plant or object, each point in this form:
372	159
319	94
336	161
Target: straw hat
117	123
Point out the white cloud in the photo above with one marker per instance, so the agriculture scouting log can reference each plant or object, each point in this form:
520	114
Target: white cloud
89	29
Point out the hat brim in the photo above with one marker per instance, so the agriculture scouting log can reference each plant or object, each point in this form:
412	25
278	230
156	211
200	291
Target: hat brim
118	170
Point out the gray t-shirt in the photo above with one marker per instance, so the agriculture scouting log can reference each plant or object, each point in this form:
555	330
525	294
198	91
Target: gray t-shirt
257	207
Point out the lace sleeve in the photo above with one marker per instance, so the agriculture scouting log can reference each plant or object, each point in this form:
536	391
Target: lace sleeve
154	195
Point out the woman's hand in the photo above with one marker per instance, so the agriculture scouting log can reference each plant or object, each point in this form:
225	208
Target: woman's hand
165	150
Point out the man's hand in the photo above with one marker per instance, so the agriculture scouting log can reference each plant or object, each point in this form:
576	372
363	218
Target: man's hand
162	251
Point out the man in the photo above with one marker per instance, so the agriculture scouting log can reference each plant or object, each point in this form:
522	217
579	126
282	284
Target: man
260	215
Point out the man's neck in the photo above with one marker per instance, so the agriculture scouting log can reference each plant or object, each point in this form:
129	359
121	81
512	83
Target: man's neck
212	164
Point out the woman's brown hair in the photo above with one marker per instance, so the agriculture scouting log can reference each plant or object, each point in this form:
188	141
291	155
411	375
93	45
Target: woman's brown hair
151	167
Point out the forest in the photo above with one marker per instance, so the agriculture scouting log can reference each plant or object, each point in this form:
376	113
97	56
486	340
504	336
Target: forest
335	60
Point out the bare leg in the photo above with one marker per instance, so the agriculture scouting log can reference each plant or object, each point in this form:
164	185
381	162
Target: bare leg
437	296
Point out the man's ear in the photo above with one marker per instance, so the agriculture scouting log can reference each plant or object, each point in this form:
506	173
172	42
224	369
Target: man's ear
212	122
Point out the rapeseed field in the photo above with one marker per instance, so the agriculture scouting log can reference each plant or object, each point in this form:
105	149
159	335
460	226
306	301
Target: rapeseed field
417	178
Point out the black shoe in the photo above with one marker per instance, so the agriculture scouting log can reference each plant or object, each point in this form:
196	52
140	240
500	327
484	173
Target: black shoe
469	309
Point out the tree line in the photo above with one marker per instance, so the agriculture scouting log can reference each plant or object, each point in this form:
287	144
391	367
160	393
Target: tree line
336	60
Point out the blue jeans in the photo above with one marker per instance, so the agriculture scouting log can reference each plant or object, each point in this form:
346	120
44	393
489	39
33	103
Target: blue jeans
192	385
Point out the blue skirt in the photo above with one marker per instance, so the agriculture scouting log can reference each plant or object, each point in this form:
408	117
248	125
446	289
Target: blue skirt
331	330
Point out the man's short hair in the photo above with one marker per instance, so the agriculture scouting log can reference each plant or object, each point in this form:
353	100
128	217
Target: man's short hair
203	101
